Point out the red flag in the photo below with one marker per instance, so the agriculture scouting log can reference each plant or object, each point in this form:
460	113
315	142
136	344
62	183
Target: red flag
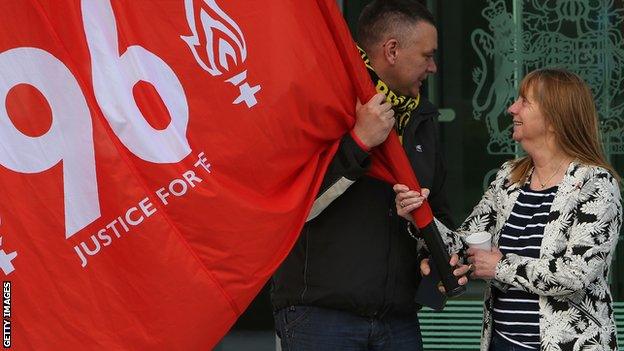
158	159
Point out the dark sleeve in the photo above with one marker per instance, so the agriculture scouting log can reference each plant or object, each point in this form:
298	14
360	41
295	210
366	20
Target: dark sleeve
349	163
438	198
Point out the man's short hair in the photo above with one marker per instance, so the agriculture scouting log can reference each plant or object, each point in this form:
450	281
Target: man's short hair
382	17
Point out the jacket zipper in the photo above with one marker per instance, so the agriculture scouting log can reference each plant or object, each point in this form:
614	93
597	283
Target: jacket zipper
305	266
586	313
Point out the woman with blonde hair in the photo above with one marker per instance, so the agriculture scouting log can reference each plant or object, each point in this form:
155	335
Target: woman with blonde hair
554	216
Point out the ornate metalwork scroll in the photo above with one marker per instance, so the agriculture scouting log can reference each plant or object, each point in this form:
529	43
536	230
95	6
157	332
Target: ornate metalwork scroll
583	36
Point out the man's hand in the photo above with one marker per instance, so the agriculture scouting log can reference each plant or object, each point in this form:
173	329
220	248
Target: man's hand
374	120
460	271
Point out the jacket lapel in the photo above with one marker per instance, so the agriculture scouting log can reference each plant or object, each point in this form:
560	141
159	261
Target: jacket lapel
506	203
562	208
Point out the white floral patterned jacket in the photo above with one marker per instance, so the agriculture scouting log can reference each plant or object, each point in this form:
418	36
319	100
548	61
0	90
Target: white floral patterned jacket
570	277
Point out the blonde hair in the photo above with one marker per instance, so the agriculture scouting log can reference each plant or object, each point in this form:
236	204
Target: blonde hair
568	106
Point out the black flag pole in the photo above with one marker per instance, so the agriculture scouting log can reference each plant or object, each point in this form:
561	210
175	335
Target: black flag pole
441	258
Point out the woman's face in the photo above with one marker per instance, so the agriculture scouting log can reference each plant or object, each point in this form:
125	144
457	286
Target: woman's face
529	124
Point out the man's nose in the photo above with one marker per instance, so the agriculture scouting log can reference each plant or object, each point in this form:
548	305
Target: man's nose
433	68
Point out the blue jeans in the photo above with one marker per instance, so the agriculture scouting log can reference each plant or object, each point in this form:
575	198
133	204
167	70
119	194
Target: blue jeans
500	344
303	328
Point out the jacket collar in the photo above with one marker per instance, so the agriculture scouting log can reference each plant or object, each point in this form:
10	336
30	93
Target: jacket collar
573	179
425	111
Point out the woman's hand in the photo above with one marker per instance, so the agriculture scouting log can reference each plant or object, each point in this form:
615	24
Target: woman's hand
407	200
484	262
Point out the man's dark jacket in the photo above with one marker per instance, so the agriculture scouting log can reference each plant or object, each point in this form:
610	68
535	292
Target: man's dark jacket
356	255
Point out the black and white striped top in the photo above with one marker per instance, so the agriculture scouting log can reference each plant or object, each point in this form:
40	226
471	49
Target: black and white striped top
516	312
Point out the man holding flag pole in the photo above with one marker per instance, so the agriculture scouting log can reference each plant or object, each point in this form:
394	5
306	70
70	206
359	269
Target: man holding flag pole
351	278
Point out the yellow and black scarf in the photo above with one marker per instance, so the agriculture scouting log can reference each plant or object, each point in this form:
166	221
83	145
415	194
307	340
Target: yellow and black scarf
401	104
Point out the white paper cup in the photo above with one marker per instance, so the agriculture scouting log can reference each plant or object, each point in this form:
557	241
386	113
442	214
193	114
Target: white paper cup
479	240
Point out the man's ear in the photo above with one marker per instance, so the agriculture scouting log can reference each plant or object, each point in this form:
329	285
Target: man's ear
391	51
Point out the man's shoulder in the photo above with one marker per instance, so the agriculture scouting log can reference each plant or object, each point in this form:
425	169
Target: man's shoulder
424	117
426	107
425	111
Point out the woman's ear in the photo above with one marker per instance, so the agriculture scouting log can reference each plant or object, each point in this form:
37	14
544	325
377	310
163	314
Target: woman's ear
550	128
